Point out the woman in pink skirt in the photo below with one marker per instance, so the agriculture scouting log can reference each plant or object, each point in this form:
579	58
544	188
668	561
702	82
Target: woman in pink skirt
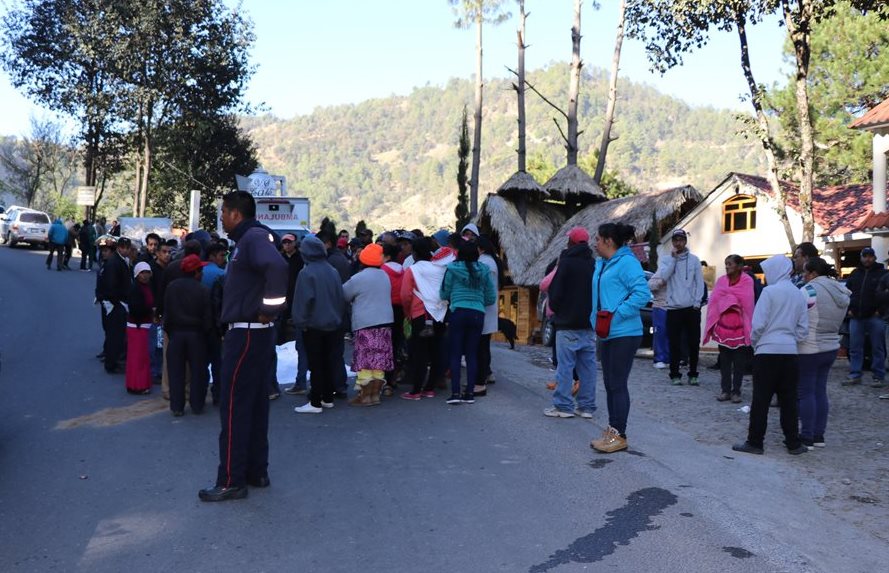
369	293
139	320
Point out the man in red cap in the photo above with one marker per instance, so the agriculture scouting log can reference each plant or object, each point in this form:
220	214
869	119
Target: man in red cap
188	320
570	297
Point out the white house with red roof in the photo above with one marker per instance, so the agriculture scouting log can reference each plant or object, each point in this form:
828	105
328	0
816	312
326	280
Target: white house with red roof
876	220
739	217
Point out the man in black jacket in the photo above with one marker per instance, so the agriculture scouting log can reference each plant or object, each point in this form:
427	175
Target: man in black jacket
571	298
112	290
187	322
864	319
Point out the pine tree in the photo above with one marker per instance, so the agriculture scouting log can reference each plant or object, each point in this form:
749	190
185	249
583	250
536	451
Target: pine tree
462	209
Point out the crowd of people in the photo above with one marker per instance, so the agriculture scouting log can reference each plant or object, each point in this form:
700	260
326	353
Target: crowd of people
205	316
787	332
64	236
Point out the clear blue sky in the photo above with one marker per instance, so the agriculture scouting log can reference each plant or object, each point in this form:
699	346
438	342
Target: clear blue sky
317	53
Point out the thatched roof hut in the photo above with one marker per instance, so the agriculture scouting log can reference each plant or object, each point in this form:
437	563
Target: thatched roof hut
572	183
522	183
522	188
667	206
520	240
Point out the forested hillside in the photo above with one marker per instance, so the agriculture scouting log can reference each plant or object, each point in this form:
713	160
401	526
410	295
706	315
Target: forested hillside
393	161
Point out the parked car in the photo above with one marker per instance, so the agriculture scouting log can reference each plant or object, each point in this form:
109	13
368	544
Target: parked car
23	225
548	332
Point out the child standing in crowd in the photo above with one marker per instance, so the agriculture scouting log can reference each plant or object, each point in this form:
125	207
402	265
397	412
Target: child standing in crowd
619	288
780	322
468	288
729	321
369	292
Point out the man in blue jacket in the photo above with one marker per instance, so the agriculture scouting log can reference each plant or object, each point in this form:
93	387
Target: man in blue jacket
254	293
58	239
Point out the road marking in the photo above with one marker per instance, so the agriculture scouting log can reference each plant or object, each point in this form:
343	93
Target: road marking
115	416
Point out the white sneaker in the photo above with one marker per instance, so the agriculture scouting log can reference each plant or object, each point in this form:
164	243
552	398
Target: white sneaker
556	413
326	404
660	365
307	408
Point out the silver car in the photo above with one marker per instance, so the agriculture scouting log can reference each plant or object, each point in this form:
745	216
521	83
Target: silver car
22	225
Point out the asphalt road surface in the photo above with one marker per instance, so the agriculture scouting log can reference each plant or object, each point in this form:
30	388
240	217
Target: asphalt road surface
94	479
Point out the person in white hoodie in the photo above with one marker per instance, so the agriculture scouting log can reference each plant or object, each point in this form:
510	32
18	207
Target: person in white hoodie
780	323
828	302
682	273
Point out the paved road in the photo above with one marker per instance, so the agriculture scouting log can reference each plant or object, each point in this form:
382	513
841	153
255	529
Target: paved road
408	486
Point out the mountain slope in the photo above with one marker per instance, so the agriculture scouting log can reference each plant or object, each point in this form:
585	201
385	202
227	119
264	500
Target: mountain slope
392	161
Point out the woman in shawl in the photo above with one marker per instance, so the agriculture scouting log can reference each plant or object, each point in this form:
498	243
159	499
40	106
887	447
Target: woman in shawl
729	319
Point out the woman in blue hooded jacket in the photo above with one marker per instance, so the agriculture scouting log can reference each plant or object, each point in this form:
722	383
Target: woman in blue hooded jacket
619	287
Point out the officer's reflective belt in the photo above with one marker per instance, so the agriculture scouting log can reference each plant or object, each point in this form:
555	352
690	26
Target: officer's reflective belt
145	326
274	301
251	325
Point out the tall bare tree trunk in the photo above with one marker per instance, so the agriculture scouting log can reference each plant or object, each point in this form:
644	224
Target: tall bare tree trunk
520	88
477	130
763	133
574	87
612	95
137	184
146	169
799	30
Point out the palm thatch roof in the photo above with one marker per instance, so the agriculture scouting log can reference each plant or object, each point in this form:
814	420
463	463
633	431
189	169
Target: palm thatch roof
667	206
573	182
520	240
522	183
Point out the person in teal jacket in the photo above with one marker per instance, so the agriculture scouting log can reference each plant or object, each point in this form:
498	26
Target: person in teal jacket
619	286
468	289
58	238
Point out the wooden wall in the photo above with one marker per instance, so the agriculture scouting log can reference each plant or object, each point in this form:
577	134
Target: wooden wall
519	304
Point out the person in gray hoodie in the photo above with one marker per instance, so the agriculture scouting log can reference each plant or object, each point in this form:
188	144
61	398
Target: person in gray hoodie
828	302
318	308
780	323
685	293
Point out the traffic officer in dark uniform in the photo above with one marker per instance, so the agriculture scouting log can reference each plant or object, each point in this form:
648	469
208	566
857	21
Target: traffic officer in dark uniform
254	293
112	290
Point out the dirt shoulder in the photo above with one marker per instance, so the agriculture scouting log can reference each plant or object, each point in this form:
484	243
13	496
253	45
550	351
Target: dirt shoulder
853	468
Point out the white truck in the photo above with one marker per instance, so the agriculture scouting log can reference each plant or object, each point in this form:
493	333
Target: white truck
284	214
274	209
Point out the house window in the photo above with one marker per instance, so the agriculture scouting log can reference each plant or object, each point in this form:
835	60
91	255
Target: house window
739	214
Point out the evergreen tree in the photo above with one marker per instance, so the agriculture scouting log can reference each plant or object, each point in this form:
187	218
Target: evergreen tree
462	209
848	75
